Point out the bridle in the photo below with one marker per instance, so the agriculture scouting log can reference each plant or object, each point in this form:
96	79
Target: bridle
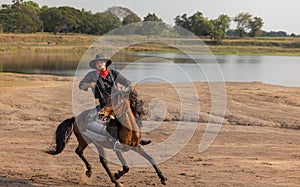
112	115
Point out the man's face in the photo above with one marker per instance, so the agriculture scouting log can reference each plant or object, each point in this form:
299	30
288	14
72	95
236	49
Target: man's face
101	65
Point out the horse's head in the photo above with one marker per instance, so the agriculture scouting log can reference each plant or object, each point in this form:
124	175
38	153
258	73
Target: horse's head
116	105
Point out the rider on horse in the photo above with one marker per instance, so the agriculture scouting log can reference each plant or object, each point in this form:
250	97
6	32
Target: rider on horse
102	81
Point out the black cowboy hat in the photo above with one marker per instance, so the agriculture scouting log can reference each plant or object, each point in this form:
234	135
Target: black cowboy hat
99	57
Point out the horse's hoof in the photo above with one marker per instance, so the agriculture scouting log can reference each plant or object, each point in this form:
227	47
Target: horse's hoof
88	173
145	142
164	181
118	184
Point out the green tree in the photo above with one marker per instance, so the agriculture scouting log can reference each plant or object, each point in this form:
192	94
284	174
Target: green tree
256	26
200	25
51	18
5	6
152	25
85	22
105	22
154	28
5	19
152	17
17	4
70	19
130	29
219	28
274	34
223	22
131	18
232	33
20	17
32	5
31	10
216	33
62	19
183	21
243	21
149	27
196	23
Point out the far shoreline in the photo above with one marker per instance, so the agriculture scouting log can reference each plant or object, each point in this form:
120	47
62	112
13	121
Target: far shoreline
47	43
67	77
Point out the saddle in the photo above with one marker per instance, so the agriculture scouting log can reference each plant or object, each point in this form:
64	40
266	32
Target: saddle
100	126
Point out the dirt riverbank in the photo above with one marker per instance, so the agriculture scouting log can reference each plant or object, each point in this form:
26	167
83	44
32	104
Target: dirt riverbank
258	145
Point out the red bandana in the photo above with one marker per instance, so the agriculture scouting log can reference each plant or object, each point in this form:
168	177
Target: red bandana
103	73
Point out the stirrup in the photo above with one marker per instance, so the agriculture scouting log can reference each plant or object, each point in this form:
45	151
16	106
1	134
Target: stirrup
118	146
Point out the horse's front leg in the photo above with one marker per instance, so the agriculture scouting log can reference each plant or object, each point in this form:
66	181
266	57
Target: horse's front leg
105	166
142	152
124	164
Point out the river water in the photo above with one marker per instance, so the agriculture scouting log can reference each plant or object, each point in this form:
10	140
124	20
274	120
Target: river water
170	67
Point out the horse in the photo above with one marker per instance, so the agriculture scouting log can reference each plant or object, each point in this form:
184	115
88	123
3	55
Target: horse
119	111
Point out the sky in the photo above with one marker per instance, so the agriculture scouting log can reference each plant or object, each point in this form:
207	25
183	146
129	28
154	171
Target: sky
277	15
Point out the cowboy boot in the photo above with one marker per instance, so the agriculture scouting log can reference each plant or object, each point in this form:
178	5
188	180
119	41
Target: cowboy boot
113	136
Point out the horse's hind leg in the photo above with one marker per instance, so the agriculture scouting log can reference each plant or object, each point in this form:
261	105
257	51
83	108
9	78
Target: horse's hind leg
105	166
142	152
124	164
79	152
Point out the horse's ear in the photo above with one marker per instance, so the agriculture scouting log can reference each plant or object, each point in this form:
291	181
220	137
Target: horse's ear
127	93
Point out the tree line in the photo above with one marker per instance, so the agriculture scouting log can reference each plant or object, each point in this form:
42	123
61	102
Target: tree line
27	17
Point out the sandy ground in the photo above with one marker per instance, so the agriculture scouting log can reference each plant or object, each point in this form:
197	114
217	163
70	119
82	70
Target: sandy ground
258	145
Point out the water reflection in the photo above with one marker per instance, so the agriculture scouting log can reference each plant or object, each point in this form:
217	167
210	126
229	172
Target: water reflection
269	69
55	64
248	59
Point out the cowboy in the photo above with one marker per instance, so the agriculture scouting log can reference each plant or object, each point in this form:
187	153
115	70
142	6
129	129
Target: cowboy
101	81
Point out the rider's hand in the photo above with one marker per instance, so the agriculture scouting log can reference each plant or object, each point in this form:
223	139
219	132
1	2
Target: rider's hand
92	85
101	112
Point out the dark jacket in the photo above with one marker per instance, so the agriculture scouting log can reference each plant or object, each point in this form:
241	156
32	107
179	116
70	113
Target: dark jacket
104	85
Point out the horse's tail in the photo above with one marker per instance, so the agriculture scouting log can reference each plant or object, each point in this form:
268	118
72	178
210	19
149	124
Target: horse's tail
62	136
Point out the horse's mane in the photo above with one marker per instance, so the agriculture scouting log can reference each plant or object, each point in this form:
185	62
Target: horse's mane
136	105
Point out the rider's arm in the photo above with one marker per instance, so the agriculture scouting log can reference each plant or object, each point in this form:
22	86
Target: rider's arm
88	81
86	86
119	78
